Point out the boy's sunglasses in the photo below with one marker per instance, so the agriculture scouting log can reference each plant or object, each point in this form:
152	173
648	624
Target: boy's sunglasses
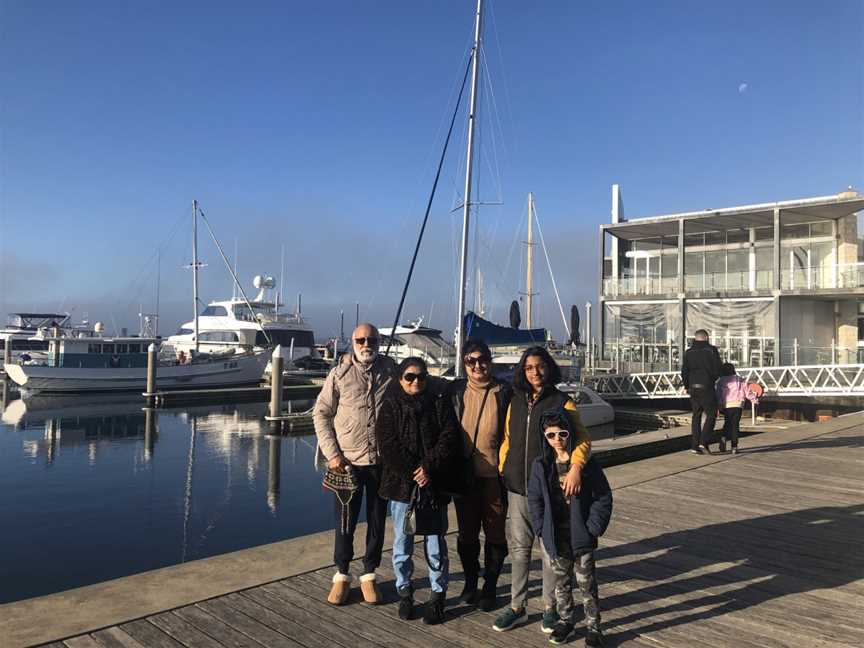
561	434
372	341
411	377
470	361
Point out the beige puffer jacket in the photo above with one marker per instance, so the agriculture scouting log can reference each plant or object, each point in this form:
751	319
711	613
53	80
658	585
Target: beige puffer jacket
346	409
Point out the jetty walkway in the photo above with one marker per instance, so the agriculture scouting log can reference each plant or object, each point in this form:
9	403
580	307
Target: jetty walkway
763	549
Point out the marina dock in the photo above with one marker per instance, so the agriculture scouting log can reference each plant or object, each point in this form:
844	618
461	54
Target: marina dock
760	549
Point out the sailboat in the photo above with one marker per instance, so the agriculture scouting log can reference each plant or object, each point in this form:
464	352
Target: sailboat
95	363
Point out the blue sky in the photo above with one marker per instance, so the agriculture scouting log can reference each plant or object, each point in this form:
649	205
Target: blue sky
317	126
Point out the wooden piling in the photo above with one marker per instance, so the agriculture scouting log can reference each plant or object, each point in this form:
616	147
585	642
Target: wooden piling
276	382
7	352
152	364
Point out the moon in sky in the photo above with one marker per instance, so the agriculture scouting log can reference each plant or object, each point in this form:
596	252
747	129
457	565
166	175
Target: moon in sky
742	88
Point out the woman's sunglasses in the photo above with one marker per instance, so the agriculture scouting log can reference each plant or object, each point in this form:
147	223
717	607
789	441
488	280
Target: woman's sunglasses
471	361
561	434
411	377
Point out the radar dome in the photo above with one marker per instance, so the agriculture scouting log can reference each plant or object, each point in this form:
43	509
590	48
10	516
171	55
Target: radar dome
98	327
261	281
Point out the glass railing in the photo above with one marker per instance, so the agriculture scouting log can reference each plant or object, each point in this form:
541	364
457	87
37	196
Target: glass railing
640	286
846	275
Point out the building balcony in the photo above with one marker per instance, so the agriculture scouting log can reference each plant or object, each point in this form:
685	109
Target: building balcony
844	276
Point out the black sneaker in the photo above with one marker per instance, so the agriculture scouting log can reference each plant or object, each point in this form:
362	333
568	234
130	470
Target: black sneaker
550	621
695	451
560	633
735	450
469	593
705	449
722	447
488	596
509	619
434	611
594	638
406	607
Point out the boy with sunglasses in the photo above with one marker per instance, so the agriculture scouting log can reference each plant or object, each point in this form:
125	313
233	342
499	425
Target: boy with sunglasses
568	527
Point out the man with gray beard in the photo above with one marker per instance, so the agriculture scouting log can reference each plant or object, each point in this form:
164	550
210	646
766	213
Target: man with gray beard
344	418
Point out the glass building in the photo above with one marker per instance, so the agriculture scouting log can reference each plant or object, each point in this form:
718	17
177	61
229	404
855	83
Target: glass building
773	284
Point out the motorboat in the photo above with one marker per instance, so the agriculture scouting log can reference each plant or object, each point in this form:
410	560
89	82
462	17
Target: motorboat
420	341
235	326
596	414
115	364
25	334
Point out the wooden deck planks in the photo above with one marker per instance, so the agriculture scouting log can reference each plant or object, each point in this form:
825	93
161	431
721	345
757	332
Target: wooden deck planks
760	550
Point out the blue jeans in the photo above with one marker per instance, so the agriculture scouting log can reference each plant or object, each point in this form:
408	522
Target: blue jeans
403	551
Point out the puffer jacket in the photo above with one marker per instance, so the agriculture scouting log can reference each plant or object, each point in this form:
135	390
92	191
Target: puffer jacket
416	431
346	410
523	439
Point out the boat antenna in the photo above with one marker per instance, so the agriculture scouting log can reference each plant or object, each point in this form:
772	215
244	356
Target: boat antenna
234	276
466	207
426	215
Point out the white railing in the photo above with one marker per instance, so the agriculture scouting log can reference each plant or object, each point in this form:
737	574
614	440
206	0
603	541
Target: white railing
805	380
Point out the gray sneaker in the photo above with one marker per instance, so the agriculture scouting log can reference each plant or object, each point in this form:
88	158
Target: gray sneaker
509	619
550	620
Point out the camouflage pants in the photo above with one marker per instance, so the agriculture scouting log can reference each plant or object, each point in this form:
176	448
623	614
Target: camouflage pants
580	568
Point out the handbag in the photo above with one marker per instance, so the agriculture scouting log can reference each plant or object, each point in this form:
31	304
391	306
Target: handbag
467	476
343	484
425	514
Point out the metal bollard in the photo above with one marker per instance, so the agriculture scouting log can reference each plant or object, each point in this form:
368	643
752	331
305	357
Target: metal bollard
152	363
276	382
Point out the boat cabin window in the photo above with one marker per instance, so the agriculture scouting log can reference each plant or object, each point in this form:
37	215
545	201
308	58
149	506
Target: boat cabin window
215	311
185	331
219	336
134	348
107	348
301	338
122	348
94	348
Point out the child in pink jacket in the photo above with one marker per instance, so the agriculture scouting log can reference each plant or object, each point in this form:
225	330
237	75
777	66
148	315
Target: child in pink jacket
732	393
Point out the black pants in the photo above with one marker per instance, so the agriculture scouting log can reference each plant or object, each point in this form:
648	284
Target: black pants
369	478
731	424
702	400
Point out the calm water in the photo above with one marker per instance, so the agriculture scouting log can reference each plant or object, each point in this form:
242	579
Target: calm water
91	488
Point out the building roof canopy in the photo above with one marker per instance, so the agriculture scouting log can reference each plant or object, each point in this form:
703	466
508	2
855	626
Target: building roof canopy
713	220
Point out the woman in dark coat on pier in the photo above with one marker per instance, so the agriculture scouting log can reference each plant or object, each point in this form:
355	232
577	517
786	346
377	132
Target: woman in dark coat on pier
420	446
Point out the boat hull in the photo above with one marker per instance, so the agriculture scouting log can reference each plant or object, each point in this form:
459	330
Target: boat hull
61	380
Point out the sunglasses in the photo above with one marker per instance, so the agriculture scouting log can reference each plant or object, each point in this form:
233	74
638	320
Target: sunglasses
563	435
372	341
411	377
471	361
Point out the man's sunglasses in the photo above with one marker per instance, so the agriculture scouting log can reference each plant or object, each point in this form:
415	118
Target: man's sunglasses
470	361
372	341
411	377
561	434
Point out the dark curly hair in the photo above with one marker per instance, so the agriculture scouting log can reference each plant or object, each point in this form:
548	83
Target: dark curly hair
553	375
473	345
413	361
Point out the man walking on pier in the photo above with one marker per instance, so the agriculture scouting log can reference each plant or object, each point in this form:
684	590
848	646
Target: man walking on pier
699	371
344	418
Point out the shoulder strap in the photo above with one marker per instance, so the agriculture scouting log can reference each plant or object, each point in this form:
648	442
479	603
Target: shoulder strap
479	417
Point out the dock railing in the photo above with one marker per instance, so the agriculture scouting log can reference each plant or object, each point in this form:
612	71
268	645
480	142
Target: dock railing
788	381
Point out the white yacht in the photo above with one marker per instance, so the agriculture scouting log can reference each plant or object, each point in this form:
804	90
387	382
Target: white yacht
230	326
27	333
114	364
421	341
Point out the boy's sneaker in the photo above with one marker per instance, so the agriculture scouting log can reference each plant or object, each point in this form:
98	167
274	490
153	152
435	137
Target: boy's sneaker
560	633
735	450
594	638
509	619
695	451
705	449
722	447
550	620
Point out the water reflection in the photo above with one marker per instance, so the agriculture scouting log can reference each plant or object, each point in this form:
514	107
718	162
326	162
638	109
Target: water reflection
125	488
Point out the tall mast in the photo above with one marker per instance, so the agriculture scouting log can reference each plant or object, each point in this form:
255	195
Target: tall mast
530	263
466	208
195	268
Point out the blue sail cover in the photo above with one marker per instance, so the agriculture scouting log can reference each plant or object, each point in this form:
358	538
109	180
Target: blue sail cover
480	329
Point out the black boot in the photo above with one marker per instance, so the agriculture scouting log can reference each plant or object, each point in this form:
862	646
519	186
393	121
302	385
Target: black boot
434	612
469	554
494	555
